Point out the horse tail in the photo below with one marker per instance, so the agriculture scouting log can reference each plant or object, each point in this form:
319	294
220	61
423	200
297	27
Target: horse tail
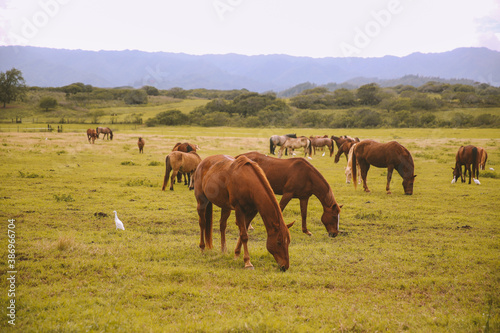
475	164
271	146
353	169
168	168
111	134
208	225
331	147
309	147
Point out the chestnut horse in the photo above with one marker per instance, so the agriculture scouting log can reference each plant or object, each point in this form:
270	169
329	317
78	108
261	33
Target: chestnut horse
91	135
239	184
344	149
297	178
106	132
339	141
185	147
389	155
482	156
467	156
322	142
140	144
294	143
183	162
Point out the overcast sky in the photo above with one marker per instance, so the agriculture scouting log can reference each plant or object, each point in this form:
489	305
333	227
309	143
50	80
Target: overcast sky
315	28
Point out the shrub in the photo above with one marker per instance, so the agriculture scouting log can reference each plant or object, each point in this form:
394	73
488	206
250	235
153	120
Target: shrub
48	103
136	97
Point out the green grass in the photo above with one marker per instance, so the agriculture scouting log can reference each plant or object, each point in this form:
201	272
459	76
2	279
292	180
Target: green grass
422	263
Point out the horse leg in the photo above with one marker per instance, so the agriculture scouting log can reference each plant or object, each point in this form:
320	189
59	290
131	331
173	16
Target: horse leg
243	220
364	167
191	180
172	179
280	152
390	169
224	215
468	169
303	213
201	208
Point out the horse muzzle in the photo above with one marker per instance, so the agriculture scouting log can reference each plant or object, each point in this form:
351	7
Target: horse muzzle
283	268
333	234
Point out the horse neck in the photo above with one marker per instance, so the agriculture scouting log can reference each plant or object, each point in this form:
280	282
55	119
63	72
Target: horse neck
267	204
321	189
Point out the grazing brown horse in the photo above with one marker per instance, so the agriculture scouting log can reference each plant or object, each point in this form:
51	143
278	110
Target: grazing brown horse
178	161
240	185
322	142
467	156
185	147
91	135
482	156
344	149
140	144
297	178
389	155
106	132
294	143
339	141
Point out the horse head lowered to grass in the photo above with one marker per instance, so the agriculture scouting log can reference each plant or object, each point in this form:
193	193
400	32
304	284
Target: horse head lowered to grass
240	185
391	155
297	178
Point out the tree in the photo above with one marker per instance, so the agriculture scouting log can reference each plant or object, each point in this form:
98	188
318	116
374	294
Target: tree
369	94
48	103
12	86
136	97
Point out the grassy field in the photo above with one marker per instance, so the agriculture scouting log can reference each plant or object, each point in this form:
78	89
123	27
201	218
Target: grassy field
423	263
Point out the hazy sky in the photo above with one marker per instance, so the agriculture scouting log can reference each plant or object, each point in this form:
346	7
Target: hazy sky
315	28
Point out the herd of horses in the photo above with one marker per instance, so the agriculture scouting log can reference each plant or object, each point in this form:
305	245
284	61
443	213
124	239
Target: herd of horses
93	134
248	183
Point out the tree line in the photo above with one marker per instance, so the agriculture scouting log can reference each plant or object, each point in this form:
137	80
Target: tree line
367	106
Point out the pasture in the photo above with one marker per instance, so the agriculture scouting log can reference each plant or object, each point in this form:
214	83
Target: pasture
422	263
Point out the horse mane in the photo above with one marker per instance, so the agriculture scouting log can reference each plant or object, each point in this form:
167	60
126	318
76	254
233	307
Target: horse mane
242	161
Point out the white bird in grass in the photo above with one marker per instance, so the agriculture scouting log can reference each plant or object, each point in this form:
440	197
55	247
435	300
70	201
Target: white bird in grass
119	224
476	181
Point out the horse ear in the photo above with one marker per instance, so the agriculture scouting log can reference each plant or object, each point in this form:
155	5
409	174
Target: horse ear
341	206
290	225
415	176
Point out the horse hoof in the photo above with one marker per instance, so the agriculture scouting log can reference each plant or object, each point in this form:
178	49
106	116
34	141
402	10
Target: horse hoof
249	266
307	232
389	192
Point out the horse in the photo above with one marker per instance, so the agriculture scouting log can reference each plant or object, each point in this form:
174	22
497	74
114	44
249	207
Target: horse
297	178
185	147
140	144
240	185
344	149
106	132
178	161
468	157
278	140
322	142
482	157
91	135
294	143
348	168
339	141
391	155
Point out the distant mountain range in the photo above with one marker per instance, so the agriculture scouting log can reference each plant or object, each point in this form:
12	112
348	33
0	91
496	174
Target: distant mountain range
47	67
